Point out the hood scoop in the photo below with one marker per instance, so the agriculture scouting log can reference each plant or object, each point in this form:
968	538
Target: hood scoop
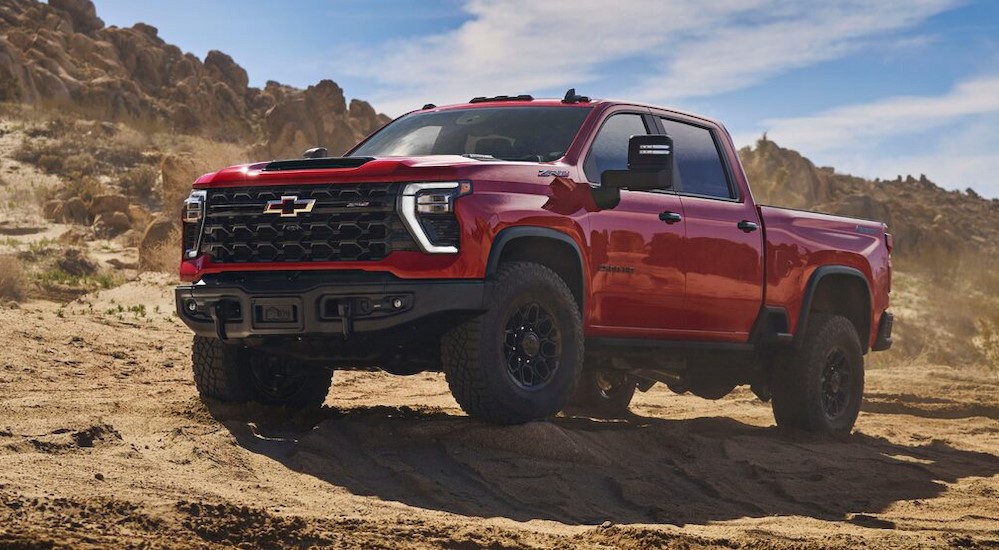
316	163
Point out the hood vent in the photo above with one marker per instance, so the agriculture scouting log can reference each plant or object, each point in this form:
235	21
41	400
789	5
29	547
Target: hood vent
316	163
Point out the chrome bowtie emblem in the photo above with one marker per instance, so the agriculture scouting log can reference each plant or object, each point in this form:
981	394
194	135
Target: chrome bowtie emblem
289	206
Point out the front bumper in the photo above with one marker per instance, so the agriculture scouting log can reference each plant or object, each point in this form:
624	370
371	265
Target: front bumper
242	308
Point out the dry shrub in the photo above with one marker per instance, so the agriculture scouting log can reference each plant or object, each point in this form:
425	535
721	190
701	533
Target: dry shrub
162	256
139	182
12	281
988	341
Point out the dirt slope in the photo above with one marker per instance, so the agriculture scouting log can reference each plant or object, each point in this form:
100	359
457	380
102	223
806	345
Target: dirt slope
104	442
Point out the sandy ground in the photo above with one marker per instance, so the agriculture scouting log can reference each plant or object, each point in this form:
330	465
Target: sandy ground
104	443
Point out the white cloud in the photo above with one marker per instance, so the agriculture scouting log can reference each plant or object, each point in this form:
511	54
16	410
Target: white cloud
695	49
953	138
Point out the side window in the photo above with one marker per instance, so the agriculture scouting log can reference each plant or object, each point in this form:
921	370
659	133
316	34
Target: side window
609	150
699	169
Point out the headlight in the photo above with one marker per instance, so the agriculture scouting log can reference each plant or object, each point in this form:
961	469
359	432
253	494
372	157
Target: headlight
193	215
427	210
194	207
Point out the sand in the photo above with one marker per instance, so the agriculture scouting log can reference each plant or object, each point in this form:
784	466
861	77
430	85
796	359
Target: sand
105	443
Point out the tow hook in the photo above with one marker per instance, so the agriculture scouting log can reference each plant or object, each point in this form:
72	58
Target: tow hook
217	311
343	310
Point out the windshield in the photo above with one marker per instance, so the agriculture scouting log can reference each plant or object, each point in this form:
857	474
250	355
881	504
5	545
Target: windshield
537	134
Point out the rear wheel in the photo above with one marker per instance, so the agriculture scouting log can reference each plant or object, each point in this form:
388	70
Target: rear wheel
519	360
602	394
232	373
819	387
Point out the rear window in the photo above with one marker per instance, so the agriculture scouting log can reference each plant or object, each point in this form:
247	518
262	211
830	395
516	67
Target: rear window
536	134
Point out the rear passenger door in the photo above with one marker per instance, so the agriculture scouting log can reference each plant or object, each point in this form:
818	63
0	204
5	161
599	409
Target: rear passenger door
723	250
636	286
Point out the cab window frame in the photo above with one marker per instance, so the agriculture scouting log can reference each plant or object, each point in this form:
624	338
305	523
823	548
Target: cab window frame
735	193
651	127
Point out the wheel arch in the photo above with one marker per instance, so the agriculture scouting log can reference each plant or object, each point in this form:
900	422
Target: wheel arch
548	247
837	290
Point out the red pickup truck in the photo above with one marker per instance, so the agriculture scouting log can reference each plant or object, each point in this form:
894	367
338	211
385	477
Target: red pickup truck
546	255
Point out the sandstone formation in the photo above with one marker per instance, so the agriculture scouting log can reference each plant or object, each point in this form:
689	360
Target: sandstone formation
926	220
62	54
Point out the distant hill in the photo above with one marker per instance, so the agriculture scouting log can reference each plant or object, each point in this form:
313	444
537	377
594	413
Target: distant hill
927	221
61	54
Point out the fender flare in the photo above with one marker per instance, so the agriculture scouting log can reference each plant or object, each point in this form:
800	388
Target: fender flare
510	234
810	289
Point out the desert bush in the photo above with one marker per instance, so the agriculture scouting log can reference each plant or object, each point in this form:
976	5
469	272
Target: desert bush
78	165
12	281
139	182
84	187
987	341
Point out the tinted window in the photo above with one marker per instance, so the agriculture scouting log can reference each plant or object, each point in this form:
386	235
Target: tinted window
610	148
537	134
699	169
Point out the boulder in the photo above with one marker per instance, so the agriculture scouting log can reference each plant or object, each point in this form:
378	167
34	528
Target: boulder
160	245
108	204
75	211
111	224
82	13
178	173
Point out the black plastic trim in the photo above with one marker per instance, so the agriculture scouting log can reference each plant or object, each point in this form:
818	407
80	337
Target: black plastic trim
418	300
883	340
316	163
813	284
646	343
771	328
512	233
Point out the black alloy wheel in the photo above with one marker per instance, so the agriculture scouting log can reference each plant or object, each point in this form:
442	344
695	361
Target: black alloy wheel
532	346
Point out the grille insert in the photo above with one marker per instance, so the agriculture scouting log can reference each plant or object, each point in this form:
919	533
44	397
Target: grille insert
348	222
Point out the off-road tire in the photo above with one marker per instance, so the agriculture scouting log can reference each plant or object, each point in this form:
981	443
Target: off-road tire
234	374
819	386
478	353
594	399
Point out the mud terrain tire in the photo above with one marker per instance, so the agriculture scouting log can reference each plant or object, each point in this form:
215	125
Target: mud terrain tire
232	373
819	387
519	360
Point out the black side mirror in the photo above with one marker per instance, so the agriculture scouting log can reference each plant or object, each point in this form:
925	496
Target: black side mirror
650	165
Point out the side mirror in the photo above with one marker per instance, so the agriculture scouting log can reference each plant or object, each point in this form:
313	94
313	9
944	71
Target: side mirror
650	165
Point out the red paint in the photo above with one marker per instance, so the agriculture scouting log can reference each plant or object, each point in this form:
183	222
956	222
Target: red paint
700	279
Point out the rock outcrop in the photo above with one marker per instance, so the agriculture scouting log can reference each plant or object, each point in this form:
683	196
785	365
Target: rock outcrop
61	53
926	220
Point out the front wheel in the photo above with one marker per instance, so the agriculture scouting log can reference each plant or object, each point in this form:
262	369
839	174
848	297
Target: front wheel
520	359
232	373
819	387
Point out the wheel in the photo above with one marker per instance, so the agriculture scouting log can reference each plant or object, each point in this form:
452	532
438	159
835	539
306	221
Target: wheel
520	359
602	394
819	387
232	373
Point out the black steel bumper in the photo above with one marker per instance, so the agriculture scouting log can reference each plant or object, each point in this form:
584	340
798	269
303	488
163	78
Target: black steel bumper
883	340
241	309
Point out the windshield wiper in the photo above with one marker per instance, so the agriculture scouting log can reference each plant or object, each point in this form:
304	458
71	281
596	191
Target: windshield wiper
478	156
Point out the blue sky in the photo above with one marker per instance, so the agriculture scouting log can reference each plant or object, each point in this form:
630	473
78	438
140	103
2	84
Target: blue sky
876	88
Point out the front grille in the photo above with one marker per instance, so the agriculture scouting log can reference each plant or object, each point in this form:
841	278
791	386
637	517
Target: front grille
349	222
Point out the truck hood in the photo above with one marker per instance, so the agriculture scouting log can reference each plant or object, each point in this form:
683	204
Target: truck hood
364	169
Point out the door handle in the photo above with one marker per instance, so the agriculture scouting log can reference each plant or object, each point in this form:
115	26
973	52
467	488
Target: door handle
747	226
670	217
